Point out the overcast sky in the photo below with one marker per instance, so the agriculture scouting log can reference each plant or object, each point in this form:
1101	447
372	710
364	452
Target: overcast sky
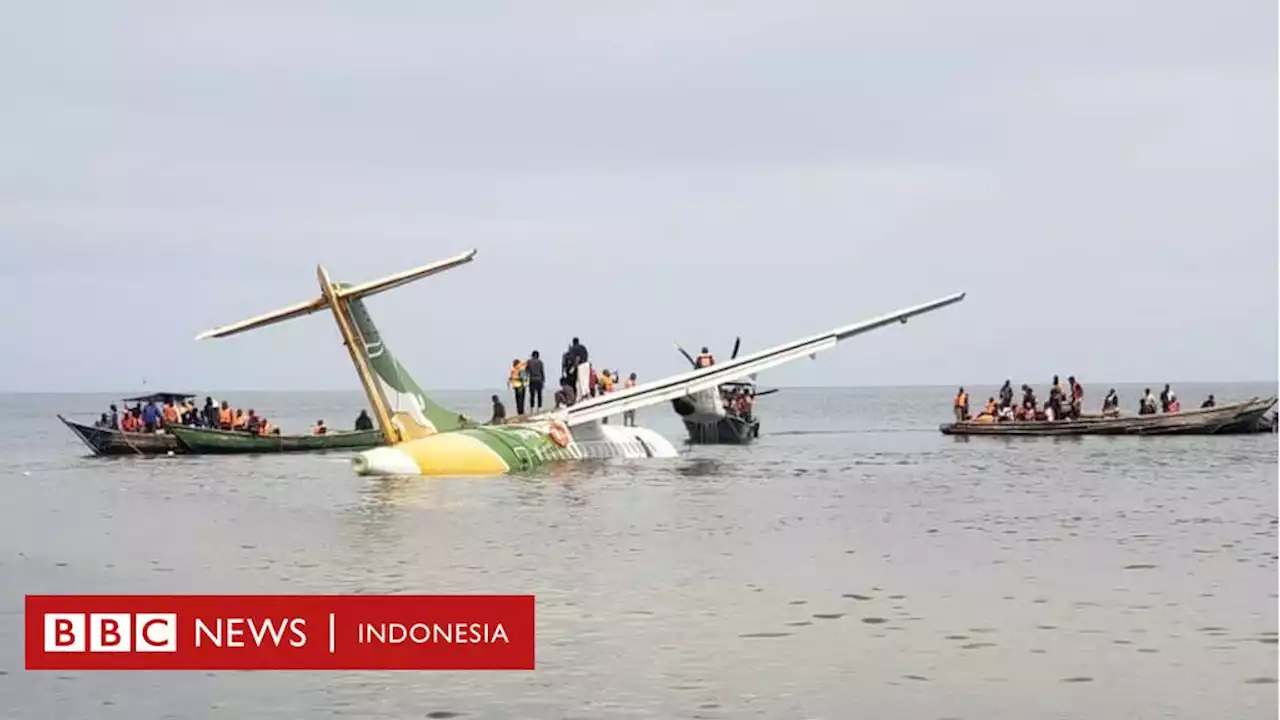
1099	176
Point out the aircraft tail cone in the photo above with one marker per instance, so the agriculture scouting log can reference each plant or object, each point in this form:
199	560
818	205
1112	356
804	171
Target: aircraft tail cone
384	461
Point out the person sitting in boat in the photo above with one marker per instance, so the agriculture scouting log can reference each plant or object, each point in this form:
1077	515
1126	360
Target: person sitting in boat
1174	405
319	429
103	423
251	422
241	421
988	414
1111	404
1050	412
1208	403
1005	413
226	418
1029	401
263	426
363	422
1147	405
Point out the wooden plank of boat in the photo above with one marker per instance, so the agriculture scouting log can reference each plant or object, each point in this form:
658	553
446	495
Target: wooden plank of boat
106	441
1201	421
200	441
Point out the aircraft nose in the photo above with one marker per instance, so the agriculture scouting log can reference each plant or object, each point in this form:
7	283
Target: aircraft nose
384	461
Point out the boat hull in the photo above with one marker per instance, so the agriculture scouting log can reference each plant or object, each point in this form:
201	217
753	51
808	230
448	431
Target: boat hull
208	441
728	430
103	441
1246	417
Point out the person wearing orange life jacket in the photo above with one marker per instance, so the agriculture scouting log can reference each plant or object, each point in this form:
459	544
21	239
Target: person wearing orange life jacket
629	417
705	359
264	427
241	421
961	405
170	413
517	380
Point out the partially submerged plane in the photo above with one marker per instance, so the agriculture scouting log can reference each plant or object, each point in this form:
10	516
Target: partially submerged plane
424	438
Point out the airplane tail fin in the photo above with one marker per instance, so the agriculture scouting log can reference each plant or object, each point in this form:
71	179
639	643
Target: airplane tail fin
403	411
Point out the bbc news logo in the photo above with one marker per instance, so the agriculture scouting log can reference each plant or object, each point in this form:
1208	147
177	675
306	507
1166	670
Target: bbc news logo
110	632
280	632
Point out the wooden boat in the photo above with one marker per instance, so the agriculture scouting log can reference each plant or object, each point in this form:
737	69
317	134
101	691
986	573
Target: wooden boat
105	441
108	441
204	441
1225	419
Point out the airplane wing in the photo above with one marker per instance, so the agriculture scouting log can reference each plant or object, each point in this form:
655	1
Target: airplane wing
688	383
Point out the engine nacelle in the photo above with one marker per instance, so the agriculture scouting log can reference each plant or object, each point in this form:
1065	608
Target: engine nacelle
701	407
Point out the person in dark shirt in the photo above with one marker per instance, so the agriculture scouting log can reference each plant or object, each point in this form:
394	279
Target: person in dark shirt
114	418
363	422
1164	399
151	416
499	412
1208	403
537	379
579	351
210	413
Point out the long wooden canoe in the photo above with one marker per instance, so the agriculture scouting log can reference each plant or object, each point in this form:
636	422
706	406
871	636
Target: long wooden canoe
1225	419
197	440
105	441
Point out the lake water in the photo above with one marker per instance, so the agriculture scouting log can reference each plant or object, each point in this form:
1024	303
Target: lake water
855	563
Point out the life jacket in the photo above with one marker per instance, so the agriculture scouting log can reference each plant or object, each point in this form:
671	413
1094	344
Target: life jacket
706	360
241	421
990	408
517	376
225	417
170	414
264	427
129	423
606	383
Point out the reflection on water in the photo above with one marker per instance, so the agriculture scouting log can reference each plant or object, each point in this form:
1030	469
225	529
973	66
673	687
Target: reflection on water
854	563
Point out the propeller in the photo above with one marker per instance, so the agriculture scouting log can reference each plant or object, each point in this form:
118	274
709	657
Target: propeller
686	355
737	343
766	392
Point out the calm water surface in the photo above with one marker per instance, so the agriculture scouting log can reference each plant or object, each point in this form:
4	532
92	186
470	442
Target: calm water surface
855	563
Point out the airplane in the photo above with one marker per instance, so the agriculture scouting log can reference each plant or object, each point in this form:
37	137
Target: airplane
424	438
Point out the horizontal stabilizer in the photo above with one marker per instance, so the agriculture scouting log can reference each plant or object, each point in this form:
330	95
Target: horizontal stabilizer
353	292
706	378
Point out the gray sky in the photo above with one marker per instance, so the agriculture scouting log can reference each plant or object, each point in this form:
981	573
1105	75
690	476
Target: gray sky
1099	176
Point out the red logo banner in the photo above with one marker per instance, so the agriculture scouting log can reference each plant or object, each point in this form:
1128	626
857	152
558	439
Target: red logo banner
280	632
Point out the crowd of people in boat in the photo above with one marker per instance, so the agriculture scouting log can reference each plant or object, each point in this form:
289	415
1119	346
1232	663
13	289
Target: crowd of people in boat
155	417
1065	402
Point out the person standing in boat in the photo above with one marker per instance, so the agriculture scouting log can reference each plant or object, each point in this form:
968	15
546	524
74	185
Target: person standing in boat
1164	398
151	416
1077	396
114	417
1006	394
961	405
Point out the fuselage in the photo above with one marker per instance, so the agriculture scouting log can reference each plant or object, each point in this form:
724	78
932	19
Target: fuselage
499	449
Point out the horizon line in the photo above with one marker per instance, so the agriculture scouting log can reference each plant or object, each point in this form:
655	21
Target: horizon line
143	391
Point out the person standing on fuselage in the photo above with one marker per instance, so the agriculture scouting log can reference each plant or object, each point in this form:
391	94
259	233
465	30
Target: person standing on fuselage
515	381
537	378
